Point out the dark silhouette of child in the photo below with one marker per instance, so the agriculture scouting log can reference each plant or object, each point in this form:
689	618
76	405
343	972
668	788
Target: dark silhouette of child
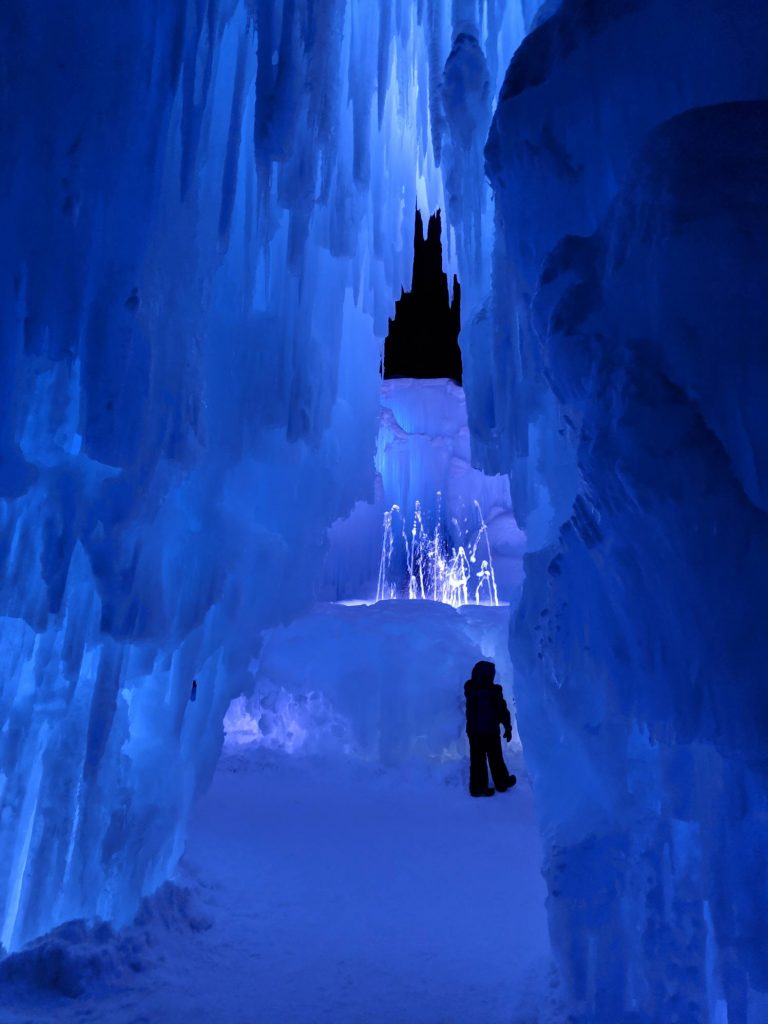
486	711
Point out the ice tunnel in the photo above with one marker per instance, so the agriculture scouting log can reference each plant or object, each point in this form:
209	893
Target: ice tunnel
206	214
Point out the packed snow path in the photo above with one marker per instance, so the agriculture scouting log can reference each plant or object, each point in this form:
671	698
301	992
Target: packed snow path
364	895
343	892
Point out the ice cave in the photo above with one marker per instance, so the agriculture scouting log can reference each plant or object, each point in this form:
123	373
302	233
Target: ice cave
249	555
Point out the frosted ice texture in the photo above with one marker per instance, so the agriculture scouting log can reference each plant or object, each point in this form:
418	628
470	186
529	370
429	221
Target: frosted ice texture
629	159
207	212
423	454
382	681
578	99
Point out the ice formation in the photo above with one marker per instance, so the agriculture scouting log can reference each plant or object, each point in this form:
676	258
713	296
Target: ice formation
628	157
432	502
207	213
427	570
383	681
429	549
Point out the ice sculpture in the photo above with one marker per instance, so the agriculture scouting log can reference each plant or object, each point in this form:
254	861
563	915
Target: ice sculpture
206	216
628	157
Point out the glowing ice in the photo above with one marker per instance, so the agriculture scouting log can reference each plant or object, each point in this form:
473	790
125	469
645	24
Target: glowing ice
195	288
421	565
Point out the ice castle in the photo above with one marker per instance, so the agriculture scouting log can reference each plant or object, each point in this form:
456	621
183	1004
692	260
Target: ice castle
206	217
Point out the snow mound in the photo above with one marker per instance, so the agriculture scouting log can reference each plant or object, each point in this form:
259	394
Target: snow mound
78	956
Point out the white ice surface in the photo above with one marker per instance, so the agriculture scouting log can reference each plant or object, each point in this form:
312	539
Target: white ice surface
338	891
383	681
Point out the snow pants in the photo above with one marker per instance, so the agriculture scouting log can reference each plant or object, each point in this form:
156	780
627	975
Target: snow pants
484	750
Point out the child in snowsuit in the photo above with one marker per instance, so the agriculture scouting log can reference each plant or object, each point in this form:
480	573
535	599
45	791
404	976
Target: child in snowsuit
486	711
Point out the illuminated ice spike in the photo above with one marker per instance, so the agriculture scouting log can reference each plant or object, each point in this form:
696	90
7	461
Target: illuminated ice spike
387	546
418	563
485	567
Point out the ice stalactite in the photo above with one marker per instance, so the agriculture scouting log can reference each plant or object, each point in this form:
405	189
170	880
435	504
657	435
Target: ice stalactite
631	201
429	568
207	210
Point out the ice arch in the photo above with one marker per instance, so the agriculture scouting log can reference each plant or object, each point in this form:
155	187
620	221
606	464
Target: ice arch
207	213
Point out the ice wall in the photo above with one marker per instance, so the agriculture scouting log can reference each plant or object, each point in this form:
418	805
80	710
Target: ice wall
628	156
383	682
207	212
168	408
423	454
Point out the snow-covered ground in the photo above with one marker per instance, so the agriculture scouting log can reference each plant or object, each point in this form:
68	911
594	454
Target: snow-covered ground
322	889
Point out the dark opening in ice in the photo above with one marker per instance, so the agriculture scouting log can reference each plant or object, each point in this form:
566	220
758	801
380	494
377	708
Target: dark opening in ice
423	338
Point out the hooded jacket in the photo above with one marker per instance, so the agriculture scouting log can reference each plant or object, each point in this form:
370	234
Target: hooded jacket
486	707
